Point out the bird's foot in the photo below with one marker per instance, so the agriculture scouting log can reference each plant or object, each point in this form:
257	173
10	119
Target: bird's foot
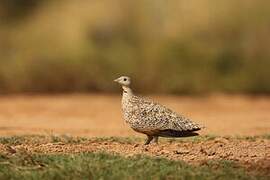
156	140
148	140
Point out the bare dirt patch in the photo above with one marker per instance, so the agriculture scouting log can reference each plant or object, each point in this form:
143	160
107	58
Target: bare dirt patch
251	154
100	115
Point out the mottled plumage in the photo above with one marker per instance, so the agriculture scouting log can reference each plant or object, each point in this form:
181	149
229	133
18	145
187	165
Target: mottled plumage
151	118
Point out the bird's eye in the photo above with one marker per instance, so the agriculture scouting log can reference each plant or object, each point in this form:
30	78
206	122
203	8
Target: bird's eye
125	79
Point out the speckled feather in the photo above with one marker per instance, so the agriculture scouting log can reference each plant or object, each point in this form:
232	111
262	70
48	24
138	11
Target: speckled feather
154	119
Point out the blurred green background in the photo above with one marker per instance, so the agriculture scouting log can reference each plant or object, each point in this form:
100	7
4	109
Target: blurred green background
176	46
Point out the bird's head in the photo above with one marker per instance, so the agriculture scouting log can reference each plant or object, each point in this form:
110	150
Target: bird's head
123	80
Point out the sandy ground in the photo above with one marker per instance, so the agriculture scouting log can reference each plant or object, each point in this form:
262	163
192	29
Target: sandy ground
253	155
100	115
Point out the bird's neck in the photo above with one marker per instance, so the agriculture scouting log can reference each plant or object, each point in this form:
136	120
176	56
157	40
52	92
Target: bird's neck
127	90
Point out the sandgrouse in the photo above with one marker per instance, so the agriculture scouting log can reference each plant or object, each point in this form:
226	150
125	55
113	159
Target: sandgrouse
152	119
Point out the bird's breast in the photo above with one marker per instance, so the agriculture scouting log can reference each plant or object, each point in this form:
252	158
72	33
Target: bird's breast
130	110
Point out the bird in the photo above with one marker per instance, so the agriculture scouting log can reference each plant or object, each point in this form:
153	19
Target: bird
153	119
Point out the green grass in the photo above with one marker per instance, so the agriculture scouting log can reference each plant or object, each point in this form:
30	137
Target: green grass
24	165
105	166
37	139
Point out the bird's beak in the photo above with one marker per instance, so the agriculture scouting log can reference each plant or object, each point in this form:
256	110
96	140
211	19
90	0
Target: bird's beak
116	80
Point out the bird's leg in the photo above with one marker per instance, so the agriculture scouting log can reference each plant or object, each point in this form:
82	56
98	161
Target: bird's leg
156	139
148	140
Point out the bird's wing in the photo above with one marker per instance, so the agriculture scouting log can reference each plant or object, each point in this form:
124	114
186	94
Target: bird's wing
158	117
